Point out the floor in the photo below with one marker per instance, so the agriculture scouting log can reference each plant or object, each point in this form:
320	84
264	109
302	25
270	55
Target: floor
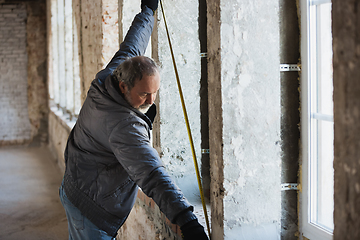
29	204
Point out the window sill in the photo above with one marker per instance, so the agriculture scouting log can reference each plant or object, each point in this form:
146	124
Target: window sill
63	118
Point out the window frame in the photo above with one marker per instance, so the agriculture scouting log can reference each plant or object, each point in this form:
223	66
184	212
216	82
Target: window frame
64	81
307	228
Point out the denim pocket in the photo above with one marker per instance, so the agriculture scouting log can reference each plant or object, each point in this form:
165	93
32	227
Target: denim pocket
74	216
77	220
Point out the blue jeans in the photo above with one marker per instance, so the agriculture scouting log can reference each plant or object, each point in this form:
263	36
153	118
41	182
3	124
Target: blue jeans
80	228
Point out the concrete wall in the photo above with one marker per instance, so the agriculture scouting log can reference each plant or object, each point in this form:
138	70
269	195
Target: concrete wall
346	50
244	119
147	222
23	73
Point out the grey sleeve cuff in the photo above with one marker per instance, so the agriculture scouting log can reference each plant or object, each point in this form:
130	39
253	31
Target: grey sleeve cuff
185	217
146	9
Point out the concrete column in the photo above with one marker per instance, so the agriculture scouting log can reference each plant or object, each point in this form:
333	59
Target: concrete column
346	59
99	36
290	116
244	119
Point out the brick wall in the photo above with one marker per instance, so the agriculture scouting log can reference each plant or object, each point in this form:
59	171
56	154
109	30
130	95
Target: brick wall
14	119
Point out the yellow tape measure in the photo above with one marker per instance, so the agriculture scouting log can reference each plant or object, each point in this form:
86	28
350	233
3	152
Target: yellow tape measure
187	123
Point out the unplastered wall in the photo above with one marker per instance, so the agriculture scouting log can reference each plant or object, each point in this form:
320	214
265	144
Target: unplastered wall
14	124
23	70
346	49
99	37
243	54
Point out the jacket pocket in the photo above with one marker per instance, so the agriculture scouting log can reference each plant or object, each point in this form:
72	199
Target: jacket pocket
120	201
117	192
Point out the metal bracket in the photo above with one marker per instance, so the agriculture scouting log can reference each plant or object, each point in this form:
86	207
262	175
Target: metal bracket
289	186
289	67
205	151
204	54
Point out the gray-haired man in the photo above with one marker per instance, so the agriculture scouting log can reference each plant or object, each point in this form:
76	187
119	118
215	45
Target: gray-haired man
108	154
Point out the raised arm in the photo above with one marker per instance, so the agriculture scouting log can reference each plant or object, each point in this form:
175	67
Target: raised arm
135	42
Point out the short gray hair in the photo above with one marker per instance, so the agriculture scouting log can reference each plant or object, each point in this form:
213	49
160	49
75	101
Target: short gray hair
133	69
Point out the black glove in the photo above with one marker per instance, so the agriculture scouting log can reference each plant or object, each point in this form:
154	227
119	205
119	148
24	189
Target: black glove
152	4
193	231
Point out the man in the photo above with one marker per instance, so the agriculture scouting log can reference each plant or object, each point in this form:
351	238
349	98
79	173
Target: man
108	154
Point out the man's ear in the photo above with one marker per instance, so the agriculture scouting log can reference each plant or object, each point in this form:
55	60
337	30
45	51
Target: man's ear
123	87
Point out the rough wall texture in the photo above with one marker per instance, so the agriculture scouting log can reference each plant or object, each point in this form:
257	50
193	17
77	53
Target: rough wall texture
215	120
58	135
23	69
251	133
346	50
37	70
250	93
147	222
181	17
91	41
14	125
290	118
110	36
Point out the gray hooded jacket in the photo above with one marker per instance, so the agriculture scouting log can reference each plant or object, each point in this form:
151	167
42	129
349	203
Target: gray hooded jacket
108	154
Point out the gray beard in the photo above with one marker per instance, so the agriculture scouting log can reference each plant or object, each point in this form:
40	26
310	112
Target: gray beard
143	108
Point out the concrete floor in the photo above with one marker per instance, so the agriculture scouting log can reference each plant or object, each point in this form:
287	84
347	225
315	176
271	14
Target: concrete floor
29	204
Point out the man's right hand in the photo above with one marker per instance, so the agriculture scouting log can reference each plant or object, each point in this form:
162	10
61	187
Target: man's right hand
152	4
193	231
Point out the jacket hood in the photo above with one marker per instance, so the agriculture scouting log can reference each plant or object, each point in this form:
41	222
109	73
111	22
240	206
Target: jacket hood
110	90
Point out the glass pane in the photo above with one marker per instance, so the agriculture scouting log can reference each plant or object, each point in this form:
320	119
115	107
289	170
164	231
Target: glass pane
69	78
321	127
322	174
324	52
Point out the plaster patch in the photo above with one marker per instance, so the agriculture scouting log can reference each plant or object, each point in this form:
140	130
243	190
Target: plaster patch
357	187
269	231
347	168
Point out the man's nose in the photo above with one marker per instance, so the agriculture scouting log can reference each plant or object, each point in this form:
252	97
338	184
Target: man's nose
150	98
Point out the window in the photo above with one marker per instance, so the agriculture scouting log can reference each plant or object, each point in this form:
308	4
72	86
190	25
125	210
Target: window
317	201
64	81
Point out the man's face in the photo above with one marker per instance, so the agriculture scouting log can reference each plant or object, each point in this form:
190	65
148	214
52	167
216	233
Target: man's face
143	94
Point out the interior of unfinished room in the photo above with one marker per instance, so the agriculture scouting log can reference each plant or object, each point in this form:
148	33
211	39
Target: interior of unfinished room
272	95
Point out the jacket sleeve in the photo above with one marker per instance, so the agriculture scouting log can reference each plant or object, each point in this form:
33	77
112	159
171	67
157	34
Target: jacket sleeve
131	145
134	44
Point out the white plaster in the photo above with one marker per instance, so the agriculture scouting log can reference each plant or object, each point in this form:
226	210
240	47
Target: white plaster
250	232
130	9
177	156
251	116
110	38
357	187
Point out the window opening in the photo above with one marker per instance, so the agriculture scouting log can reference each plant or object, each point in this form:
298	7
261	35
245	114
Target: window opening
321	116
318	130
64	80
